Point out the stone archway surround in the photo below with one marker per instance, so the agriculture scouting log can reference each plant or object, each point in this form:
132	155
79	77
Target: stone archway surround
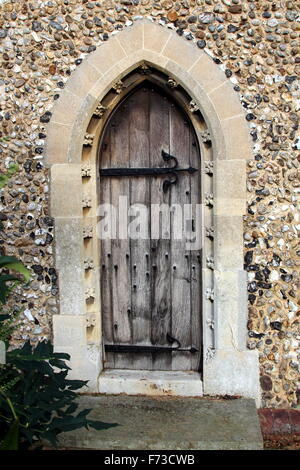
229	368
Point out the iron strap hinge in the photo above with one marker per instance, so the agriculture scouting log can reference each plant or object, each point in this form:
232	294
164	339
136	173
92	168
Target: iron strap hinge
136	348
151	171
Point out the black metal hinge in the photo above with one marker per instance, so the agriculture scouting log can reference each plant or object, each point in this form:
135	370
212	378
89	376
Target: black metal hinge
136	348
171	171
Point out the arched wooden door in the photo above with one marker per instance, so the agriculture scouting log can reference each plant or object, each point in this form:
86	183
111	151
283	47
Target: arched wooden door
150	287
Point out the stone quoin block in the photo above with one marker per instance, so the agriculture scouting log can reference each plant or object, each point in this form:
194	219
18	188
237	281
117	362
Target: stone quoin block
236	138
230	302
66	108
84	79
62	176
69	261
154	39
132	41
230	188
226	108
106	56
206	73
69	330
57	143
228	237
179	52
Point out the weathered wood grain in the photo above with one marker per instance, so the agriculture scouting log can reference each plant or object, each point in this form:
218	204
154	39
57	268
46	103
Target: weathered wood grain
160	248
140	194
120	273
105	262
180	259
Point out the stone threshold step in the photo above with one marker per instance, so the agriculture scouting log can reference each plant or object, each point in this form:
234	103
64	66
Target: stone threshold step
152	383
168	423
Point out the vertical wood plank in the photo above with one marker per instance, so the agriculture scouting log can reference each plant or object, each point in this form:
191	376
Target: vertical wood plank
140	194
120	271
105	261
160	249
181	293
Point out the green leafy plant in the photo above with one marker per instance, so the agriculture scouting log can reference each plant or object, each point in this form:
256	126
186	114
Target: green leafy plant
4	177
40	402
37	401
7	280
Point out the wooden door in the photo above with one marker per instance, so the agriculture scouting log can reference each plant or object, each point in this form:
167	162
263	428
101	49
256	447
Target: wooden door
150	287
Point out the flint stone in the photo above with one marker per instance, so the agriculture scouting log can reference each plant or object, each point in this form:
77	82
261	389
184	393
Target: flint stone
207	18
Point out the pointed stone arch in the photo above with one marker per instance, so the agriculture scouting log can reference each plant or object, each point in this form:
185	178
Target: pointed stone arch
229	368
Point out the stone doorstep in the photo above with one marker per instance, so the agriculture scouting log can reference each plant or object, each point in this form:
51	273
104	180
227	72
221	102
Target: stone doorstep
143	382
279	421
168	423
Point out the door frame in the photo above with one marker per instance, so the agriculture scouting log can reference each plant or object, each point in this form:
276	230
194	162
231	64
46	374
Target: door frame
229	368
166	87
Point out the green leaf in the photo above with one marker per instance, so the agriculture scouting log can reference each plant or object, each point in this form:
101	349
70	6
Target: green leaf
62	356
3	180
10	441
4	288
13	168
26	350
44	348
59	364
5	260
72	408
42	397
10	262
8	277
4	177
4	317
77	384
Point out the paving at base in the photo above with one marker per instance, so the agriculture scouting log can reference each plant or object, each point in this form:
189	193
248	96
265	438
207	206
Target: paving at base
168	423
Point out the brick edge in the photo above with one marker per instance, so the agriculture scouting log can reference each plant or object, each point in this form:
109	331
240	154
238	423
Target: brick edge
279	421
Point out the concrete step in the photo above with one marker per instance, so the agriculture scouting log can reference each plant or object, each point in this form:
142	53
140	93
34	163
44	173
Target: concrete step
168	423
151	383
